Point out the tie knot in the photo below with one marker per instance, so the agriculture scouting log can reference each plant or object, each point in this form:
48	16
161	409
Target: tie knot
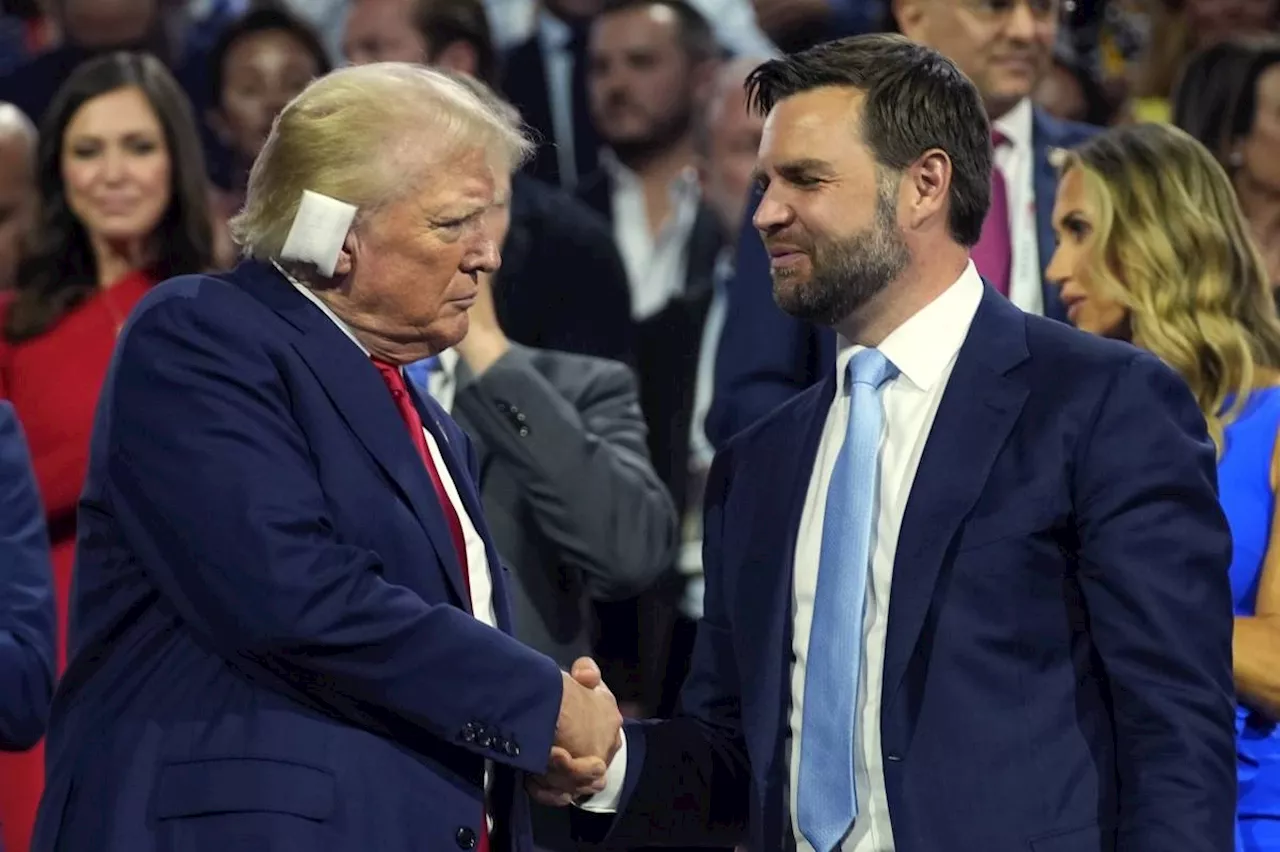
870	367
998	138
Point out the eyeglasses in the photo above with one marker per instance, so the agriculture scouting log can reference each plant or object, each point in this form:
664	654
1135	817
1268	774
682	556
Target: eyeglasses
993	9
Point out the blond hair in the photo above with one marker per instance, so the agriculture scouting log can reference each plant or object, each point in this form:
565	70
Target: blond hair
1175	250
365	135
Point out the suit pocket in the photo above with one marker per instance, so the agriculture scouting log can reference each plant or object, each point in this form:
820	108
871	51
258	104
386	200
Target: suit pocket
244	785
1091	838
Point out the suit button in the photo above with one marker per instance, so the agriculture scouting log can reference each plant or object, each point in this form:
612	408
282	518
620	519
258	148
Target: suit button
485	741
523	431
503	407
511	749
465	838
468	735
894	757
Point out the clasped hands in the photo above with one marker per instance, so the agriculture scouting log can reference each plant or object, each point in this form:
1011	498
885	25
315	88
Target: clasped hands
588	735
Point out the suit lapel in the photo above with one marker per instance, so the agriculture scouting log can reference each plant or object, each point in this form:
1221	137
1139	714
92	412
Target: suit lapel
765	599
979	407
1043	142
596	192
363	401
456	462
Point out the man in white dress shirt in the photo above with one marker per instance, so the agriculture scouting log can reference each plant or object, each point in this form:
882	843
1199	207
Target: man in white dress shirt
969	592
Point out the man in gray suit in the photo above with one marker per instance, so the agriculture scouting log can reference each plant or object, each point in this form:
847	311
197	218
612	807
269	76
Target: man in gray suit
570	496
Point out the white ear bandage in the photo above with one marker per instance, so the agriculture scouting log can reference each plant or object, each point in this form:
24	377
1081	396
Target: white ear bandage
318	232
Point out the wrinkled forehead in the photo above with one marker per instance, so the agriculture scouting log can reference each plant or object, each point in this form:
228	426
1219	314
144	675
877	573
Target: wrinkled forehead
463	185
822	125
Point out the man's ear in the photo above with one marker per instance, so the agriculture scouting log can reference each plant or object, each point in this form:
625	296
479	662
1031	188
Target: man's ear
347	255
928	187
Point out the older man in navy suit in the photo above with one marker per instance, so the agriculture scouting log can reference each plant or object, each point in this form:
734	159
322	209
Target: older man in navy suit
969	592
291	630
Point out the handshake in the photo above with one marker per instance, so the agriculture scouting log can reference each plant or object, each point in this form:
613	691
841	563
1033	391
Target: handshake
588	735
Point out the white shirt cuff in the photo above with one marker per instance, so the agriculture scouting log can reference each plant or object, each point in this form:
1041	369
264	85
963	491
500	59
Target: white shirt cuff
606	801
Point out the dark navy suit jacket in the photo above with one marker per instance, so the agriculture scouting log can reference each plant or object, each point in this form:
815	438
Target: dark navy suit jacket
27	621
1057	673
270	640
766	356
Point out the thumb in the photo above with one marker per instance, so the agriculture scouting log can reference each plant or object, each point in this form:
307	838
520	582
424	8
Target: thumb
586	672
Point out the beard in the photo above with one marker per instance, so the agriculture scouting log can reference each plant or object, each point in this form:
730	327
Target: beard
846	273
660	133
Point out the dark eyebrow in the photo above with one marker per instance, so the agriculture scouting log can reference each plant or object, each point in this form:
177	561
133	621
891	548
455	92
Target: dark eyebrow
794	171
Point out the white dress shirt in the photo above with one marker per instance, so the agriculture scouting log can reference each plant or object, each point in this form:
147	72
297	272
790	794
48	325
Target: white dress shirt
701	453
657	264
443	383
924	350
1016	161
478	575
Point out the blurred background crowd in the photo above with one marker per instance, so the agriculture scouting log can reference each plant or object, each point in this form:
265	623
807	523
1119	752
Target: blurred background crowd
128	129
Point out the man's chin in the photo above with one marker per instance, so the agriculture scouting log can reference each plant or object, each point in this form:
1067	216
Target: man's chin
788	294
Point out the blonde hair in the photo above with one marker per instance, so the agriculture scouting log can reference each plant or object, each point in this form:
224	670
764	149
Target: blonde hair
365	135
1174	249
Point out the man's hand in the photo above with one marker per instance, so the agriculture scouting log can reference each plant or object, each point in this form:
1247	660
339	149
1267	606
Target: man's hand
588	735
485	342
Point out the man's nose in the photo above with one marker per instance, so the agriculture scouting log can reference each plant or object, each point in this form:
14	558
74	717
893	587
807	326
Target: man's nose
771	214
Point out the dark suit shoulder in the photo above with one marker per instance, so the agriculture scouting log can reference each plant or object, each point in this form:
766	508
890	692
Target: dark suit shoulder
555	213
1056	345
780	427
1059	133
220	300
519	56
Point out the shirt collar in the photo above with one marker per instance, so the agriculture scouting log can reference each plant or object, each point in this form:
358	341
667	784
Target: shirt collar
319	303
1016	125
685	187
448	361
923	346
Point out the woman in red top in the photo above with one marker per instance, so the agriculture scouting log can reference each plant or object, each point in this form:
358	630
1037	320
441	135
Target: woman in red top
124	203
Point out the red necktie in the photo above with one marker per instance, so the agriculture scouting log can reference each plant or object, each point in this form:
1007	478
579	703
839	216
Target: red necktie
993	255
404	404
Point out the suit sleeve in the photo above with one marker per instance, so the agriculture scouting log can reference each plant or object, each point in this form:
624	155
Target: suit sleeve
688	779
212	481
27	619
583	467
1155	551
765	357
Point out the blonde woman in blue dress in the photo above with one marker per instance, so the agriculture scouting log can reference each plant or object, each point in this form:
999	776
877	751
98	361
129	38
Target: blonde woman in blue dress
1153	249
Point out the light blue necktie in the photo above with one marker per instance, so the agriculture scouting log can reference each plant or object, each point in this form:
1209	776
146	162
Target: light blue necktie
827	802
419	372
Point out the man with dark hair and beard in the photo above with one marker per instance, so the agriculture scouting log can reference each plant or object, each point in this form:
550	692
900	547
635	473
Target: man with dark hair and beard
970	591
653	65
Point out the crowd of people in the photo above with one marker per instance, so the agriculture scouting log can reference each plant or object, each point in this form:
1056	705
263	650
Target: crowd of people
680	303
